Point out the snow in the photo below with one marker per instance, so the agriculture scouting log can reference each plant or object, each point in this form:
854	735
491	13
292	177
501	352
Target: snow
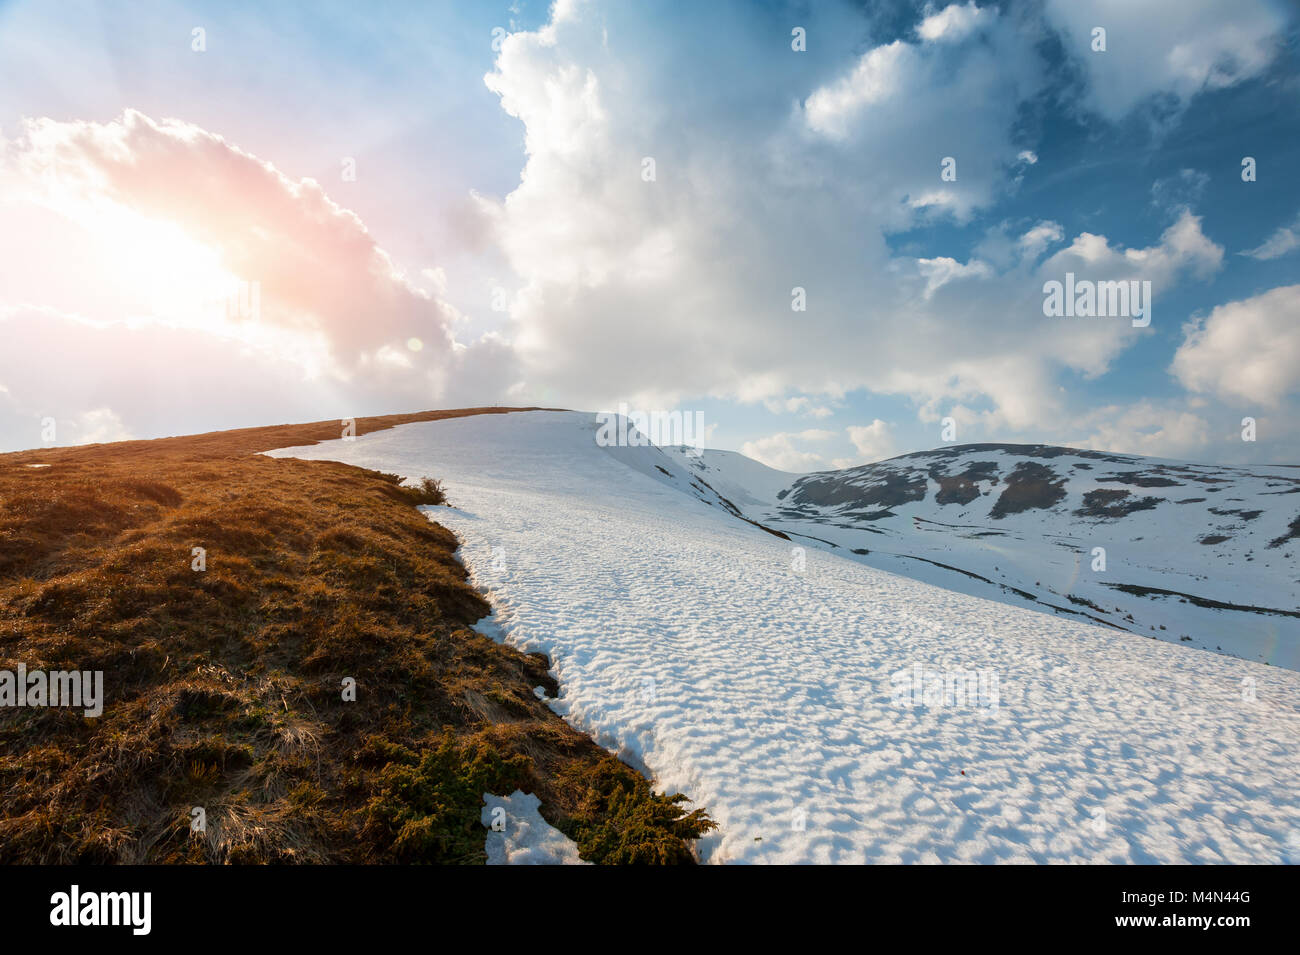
1216	533
736	477
518	835
762	678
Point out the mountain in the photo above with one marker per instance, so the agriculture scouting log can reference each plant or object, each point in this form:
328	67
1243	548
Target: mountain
826	710
1195	554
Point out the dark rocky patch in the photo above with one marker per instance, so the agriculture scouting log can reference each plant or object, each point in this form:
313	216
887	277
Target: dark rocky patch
889	489
870	515
1022	450
1108	503
1293	531
1212	539
1138	479
1031	485
964	487
1007	588
1244	515
1137	590
1083	602
955	490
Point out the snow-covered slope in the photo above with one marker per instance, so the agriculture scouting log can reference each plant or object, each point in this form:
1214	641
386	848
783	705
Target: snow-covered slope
741	479
824	710
1206	556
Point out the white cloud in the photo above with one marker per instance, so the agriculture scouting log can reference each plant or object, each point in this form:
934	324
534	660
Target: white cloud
876	78
798	404
654	291
1180	191
98	426
115	206
800	174
618	275
1146	427
318	269
1283	240
938	272
1249	349
160	379
782	450
990	342
1182	247
1166	50
954	23
1035	241
967	88
874	442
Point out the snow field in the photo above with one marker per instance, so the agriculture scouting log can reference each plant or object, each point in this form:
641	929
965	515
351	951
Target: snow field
689	642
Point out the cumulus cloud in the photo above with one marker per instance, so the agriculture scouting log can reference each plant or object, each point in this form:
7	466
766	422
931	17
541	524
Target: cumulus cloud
1163	54
619	273
787	451
874	442
654	289
317	266
130	234
1156	429
939	271
954	22
1183	247
998	348
875	78
967	87
1038	239
1245	350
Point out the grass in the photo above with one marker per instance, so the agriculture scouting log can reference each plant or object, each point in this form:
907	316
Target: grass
225	685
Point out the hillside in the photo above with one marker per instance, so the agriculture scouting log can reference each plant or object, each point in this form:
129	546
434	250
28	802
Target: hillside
223	684
825	710
1201	555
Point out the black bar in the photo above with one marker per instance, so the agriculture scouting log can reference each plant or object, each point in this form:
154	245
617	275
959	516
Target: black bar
333	904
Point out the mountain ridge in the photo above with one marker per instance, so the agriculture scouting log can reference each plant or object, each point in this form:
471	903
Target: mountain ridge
1193	553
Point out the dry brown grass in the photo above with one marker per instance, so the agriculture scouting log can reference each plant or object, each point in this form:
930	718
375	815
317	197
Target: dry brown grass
223	687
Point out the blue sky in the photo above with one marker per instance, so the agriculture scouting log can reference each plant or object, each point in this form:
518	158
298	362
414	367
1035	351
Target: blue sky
500	242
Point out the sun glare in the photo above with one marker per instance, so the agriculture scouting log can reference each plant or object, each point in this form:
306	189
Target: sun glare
176	279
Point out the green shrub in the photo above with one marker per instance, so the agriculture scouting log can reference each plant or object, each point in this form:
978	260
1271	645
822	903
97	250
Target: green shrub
430	811
621	821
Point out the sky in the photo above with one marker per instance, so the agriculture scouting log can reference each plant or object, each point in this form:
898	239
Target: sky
828	228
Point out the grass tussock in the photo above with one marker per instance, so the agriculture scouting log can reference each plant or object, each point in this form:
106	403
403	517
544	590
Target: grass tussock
231	600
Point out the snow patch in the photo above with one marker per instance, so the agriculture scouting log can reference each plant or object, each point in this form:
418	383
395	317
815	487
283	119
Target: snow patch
522	836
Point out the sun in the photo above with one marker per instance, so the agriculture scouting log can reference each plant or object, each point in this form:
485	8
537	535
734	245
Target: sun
155	271
174	278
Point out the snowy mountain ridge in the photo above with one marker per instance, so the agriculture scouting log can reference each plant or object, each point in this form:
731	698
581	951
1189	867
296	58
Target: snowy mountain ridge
1197	554
793	698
